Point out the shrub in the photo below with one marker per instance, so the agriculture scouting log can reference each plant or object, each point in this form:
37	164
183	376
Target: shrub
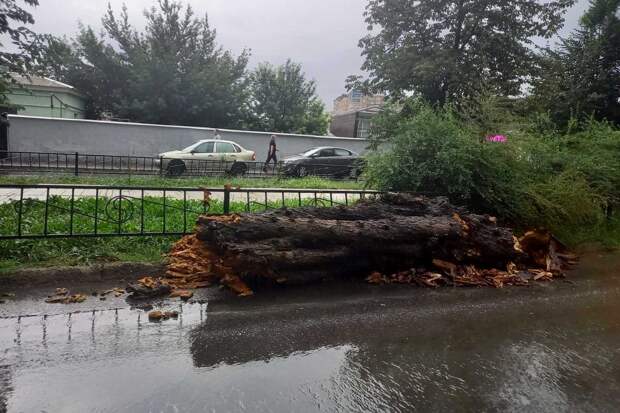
535	177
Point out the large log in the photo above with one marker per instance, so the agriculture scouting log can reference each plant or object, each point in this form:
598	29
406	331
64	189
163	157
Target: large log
394	233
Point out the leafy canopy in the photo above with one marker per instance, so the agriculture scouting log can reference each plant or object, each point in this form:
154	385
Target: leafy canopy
443	50
582	77
283	100
173	72
13	27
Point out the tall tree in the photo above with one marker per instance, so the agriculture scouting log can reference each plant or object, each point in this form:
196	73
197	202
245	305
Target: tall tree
172	73
13	27
582	77
448	49
283	100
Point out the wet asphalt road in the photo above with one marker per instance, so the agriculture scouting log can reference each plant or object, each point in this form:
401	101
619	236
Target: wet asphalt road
334	348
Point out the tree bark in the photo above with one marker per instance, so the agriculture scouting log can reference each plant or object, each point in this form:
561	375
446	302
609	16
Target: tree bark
394	233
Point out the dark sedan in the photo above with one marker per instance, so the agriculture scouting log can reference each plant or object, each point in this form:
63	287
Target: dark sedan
324	161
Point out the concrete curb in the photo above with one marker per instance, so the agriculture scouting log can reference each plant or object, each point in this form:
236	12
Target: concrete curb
100	272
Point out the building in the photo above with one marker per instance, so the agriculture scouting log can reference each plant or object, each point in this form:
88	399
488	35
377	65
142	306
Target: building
356	100
40	96
354	124
353	112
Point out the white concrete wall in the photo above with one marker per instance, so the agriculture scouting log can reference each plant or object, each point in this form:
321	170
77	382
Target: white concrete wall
36	134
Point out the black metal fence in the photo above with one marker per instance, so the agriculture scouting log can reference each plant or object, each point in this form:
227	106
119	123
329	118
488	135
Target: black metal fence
48	211
90	164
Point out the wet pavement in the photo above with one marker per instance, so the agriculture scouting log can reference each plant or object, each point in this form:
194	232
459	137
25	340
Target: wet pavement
333	347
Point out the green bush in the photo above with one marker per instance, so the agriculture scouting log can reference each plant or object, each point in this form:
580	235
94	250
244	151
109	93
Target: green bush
539	177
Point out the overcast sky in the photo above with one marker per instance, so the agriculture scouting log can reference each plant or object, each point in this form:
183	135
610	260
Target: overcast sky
322	35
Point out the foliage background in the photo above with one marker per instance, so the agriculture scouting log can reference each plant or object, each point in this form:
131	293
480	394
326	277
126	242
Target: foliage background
568	182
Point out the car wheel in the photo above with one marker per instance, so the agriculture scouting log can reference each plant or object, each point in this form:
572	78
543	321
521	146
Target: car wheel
238	169
176	167
302	171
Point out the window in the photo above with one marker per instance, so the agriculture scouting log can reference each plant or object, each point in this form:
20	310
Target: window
206	147
225	147
356	96
363	128
341	152
309	152
326	152
237	148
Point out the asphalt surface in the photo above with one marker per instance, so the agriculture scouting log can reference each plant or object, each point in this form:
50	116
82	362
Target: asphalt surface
331	347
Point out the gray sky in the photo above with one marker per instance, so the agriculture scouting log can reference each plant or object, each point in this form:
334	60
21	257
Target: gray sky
322	35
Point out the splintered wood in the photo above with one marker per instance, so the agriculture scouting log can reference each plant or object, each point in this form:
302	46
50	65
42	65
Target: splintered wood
192	265
447	274
398	238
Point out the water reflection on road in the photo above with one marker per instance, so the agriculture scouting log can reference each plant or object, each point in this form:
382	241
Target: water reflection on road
553	348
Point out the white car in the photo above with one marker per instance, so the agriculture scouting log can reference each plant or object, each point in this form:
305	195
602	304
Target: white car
227	155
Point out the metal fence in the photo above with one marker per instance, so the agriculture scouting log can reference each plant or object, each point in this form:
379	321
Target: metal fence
48	211
90	164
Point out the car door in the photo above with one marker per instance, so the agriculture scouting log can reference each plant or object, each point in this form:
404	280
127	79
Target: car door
324	162
204	152
343	161
200	157
225	151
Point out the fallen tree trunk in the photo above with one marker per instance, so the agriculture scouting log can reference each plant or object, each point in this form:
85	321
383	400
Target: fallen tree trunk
395	233
397	238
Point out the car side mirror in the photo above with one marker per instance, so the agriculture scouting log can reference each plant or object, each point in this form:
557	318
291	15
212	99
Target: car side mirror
192	151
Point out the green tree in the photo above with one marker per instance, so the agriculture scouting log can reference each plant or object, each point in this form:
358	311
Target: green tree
92	67
582	77
282	100
172	73
25	45
444	50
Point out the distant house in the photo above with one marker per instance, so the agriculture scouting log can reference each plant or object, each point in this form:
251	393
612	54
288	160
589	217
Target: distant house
40	96
353	112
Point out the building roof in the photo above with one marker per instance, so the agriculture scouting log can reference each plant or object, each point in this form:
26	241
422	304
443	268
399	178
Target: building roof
370	110
42	82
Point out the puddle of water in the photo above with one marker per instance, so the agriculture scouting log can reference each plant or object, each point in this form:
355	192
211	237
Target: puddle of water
556	351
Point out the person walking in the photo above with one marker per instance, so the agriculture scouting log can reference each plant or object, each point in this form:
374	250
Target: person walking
271	153
4	135
217	135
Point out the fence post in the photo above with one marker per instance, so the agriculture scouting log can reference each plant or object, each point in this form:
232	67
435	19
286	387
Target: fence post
75	168
226	199
161	166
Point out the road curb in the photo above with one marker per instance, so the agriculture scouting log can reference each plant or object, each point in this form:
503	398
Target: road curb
99	272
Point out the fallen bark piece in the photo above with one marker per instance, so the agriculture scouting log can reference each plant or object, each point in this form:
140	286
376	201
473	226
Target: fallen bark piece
158	315
148	287
399	234
236	285
375	278
66	299
182	294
